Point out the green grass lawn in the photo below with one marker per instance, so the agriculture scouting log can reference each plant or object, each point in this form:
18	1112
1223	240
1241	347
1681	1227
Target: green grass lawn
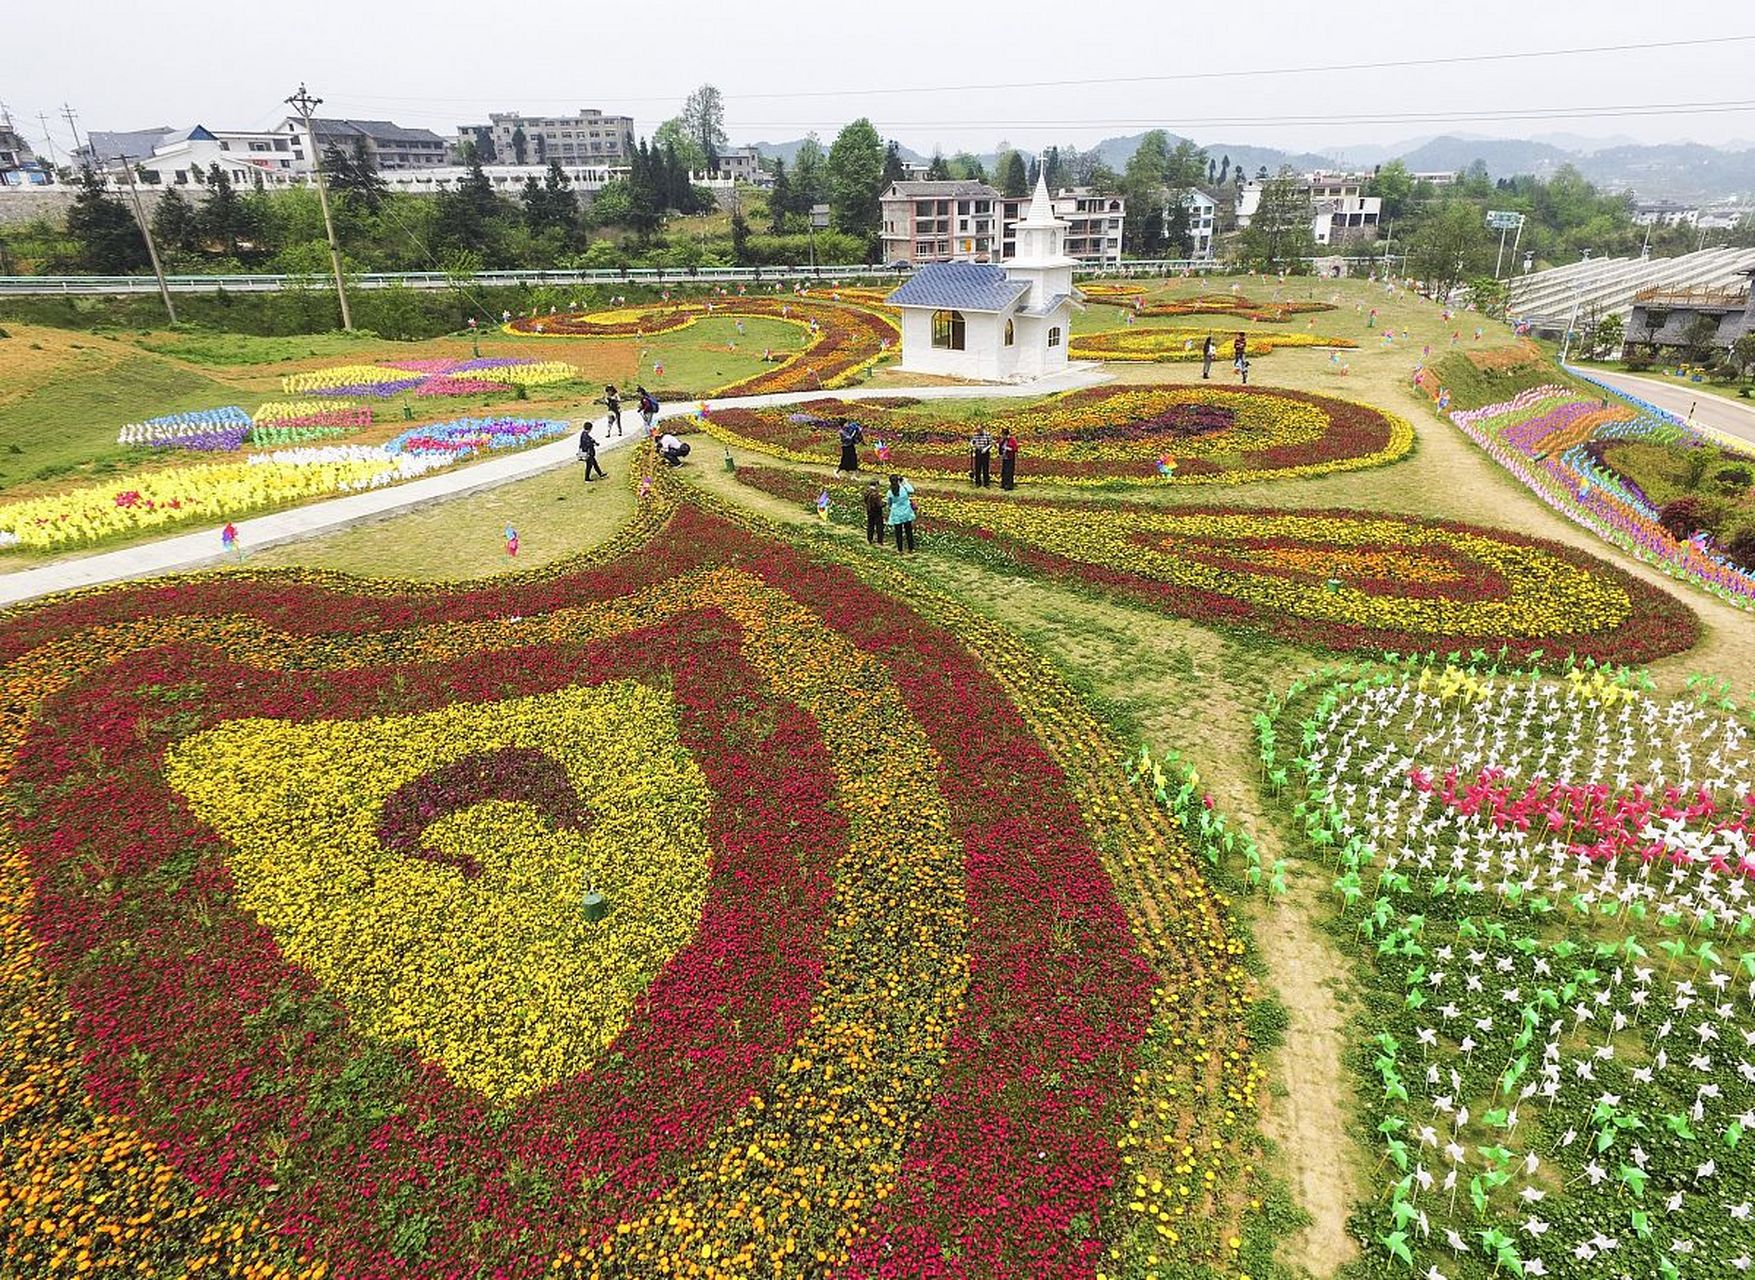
231	350
701	357
556	514
69	424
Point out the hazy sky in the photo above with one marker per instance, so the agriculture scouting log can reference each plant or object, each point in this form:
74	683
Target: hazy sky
909	66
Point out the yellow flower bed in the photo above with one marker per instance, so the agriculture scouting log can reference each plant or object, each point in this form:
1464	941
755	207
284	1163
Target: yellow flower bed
498	976
1144	345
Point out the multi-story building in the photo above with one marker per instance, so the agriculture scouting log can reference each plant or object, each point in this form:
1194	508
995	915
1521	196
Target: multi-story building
386	144
940	222
1340	209
181	157
1665	213
19	166
740	164
1094	220
590	137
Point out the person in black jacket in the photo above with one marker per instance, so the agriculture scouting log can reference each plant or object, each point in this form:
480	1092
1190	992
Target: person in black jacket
588	452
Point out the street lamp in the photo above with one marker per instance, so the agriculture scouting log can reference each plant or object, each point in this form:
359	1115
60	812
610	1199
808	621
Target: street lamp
303	103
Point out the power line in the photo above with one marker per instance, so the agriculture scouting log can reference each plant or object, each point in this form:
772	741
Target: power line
1166	78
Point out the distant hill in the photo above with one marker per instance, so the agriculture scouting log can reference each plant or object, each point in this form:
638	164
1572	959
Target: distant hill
1679	170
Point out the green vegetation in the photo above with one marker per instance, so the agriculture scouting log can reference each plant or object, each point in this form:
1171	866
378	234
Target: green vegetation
1704	488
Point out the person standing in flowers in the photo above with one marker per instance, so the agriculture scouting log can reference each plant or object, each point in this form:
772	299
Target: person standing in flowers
901	513
981	457
1008	459
1239	345
1208	352
852	436
874	514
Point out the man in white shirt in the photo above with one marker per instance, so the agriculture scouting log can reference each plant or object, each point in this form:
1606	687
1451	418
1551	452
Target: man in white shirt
671	449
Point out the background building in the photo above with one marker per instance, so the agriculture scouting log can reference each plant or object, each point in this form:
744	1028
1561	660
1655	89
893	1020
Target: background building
1094	221
1664	213
388	146
19	166
940	222
590	137
740	164
182	157
1666	317
1340	209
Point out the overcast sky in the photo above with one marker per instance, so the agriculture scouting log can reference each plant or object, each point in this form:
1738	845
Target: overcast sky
918	70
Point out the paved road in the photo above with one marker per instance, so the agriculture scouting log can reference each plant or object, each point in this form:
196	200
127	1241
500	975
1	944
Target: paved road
193	550
1733	417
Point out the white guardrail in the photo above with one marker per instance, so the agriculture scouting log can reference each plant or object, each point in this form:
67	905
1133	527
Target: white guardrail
34	286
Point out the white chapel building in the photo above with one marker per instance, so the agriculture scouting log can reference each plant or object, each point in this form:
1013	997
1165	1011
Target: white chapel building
994	323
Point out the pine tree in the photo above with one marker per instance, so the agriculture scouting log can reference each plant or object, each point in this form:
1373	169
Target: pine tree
779	200
938	170
108	237
1017	177
221	215
740	238
174	224
893	168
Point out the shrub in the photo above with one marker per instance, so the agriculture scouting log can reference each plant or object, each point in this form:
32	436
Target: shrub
1741	548
1639	358
1734	479
1695	466
1685	517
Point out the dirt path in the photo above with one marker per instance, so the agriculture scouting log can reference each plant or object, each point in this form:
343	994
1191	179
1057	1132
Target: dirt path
1309	1121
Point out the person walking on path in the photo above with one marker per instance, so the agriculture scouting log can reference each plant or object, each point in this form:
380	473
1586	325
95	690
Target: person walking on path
874	514
648	408
981	457
901	513
852	436
612	400
1008	459
1208	351
1239	345
588	452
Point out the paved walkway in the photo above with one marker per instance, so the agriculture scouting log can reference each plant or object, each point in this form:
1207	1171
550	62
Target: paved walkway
1705	408
193	550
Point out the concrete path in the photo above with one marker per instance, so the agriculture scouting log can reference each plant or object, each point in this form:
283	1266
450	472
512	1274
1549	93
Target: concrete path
1704	408
202	547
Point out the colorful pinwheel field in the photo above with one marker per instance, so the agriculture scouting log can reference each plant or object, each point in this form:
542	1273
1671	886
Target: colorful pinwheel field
1544	879
1287	836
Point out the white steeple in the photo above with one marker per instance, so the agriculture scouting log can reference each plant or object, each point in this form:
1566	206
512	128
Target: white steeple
1041	236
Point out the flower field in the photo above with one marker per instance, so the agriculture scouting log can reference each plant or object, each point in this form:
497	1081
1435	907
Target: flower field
226	430
1140	344
844	339
1176	435
212	491
1541	436
1546	880
1329	579
1211	304
298	981
484	375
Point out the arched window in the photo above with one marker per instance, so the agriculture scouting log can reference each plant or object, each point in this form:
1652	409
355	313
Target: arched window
1011	333
1054	336
947	330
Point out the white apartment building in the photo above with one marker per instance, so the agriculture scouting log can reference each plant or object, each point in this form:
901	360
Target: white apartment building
1665	213
590	137
739	164
184	157
1340	209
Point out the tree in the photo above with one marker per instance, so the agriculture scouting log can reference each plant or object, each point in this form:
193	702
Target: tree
222	214
893	168
470	216
1279	230
1178	230
1448	245
810	177
354	179
175	225
1606	338
968	166
519	144
779	199
1224	169
1699	338
674	135
548	205
1743	354
856	179
645	192
939	170
1185	165
1394	185
1017	177
109	239
740	237
704	117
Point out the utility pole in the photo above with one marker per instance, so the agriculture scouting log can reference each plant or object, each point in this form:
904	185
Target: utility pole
72	118
158	272
48	137
303	103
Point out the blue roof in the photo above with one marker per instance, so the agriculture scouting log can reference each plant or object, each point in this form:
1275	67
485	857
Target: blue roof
964	286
